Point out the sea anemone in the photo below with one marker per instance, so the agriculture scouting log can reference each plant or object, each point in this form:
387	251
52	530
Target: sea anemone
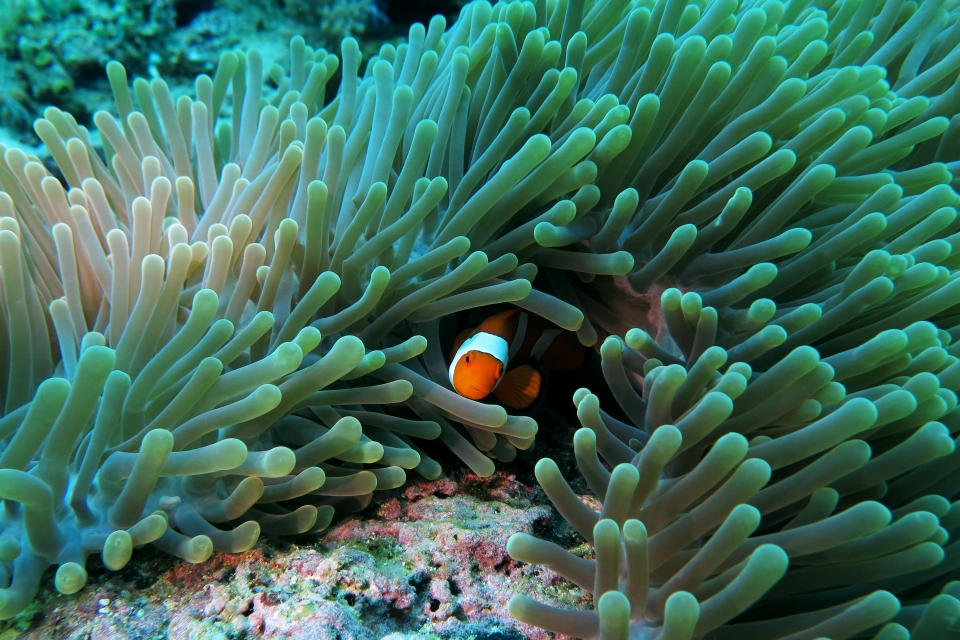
783	351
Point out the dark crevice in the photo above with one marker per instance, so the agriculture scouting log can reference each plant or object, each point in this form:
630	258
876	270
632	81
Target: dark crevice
407	13
187	11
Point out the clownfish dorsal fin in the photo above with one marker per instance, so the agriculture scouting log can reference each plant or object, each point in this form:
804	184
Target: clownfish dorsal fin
503	324
519	387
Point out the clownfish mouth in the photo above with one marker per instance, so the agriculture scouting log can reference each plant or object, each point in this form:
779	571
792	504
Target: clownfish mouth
473	393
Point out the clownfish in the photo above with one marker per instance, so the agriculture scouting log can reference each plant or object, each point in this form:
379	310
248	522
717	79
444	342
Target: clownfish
480	357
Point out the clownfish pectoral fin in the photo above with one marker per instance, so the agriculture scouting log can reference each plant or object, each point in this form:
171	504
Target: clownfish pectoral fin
519	387
460	339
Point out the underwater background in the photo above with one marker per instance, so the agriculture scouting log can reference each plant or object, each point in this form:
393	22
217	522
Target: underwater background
238	240
53	53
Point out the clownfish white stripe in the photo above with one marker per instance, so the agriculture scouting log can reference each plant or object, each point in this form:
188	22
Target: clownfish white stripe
485	343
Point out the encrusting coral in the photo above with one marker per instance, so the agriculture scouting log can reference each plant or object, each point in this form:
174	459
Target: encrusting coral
233	320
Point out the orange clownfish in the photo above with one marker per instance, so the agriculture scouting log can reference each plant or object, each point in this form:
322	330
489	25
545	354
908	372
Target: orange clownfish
478	365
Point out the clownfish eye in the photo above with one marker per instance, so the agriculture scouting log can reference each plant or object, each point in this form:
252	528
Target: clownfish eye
467	358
